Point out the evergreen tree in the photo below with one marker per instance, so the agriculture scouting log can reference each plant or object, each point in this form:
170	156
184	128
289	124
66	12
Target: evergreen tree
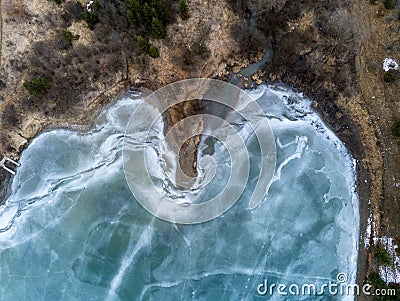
147	13
91	14
37	86
152	13
154	52
143	43
183	10
160	11
157	28
134	12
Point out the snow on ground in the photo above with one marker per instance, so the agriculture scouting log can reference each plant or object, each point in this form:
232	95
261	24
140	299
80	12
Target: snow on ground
390	64
89	6
390	273
367	235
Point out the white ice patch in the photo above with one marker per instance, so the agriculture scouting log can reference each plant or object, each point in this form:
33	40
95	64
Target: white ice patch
390	64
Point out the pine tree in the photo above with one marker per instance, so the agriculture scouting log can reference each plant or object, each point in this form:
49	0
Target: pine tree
160	11
143	43
157	28
37	86
154	52
134	12
92	16
147	13
183	10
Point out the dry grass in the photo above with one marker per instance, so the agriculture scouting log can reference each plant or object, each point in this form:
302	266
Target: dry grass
376	39
15	11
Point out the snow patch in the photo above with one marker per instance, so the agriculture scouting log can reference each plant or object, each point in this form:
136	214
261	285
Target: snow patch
390	64
390	273
368	232
89	7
